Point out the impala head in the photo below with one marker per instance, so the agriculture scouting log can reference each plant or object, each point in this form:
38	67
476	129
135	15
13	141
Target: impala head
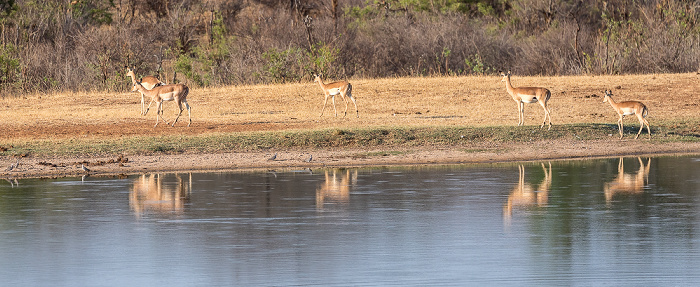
130	72
608	93
505	76
317	78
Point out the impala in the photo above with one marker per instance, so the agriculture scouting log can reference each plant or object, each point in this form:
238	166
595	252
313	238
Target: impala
628	183
525	194
629	108
160	194
342	88
336	187
148	82
522	95
173	92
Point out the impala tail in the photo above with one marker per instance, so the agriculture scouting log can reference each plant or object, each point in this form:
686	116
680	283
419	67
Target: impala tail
349	91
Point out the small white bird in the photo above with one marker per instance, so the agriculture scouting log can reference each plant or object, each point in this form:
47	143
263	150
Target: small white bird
273	157
311	157
84	168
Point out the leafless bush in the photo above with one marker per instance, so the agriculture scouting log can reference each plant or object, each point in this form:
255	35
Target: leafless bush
84	45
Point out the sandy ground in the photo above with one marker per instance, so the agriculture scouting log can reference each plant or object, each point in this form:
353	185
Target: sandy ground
450	101
541	151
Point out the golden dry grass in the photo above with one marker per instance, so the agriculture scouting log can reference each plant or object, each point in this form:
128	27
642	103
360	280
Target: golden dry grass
402	121
407	102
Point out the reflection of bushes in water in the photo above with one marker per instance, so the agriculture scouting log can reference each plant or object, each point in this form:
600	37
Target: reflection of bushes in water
247	43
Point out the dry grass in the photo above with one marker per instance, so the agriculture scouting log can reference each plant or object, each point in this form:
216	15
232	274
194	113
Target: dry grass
401	102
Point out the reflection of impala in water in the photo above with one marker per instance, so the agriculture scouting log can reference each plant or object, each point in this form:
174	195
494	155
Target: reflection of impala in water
525	194
628	183
149	194
336	188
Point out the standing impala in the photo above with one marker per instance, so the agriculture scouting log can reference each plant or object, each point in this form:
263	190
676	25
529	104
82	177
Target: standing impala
629	108
529	95
525	194
627	183
173	92
148	82
344	88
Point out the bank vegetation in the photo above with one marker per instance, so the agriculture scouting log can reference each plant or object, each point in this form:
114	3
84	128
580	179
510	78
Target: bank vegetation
84	45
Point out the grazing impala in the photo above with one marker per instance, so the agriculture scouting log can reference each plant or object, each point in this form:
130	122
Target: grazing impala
629	108
522	95
148	82
342	88
173	92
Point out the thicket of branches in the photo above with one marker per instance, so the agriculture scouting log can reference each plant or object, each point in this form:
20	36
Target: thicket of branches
84	45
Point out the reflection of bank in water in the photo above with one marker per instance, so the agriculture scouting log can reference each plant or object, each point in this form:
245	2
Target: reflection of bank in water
336	187
160	194
628	183
525	195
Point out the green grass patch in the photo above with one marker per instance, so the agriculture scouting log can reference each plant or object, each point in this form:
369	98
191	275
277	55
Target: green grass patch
383	138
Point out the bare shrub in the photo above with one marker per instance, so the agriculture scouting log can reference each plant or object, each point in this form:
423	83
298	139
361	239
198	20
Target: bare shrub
48	45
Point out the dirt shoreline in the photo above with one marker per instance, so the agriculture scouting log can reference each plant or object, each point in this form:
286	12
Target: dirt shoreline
31	167
95	121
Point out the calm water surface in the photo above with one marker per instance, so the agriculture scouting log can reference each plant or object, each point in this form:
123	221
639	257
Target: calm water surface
632	221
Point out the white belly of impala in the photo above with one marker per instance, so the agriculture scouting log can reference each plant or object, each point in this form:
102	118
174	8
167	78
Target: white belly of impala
528	99
168	96
334	92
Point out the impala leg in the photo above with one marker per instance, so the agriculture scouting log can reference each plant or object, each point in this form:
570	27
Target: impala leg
521	177
621	166
546	115
162	113
648	129
334	109
357	112
157	114
178	115
620	126
143	104
346	105
324	105
149	105
189	113
521	113
641	126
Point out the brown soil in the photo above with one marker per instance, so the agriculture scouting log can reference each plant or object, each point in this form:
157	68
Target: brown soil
454	101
